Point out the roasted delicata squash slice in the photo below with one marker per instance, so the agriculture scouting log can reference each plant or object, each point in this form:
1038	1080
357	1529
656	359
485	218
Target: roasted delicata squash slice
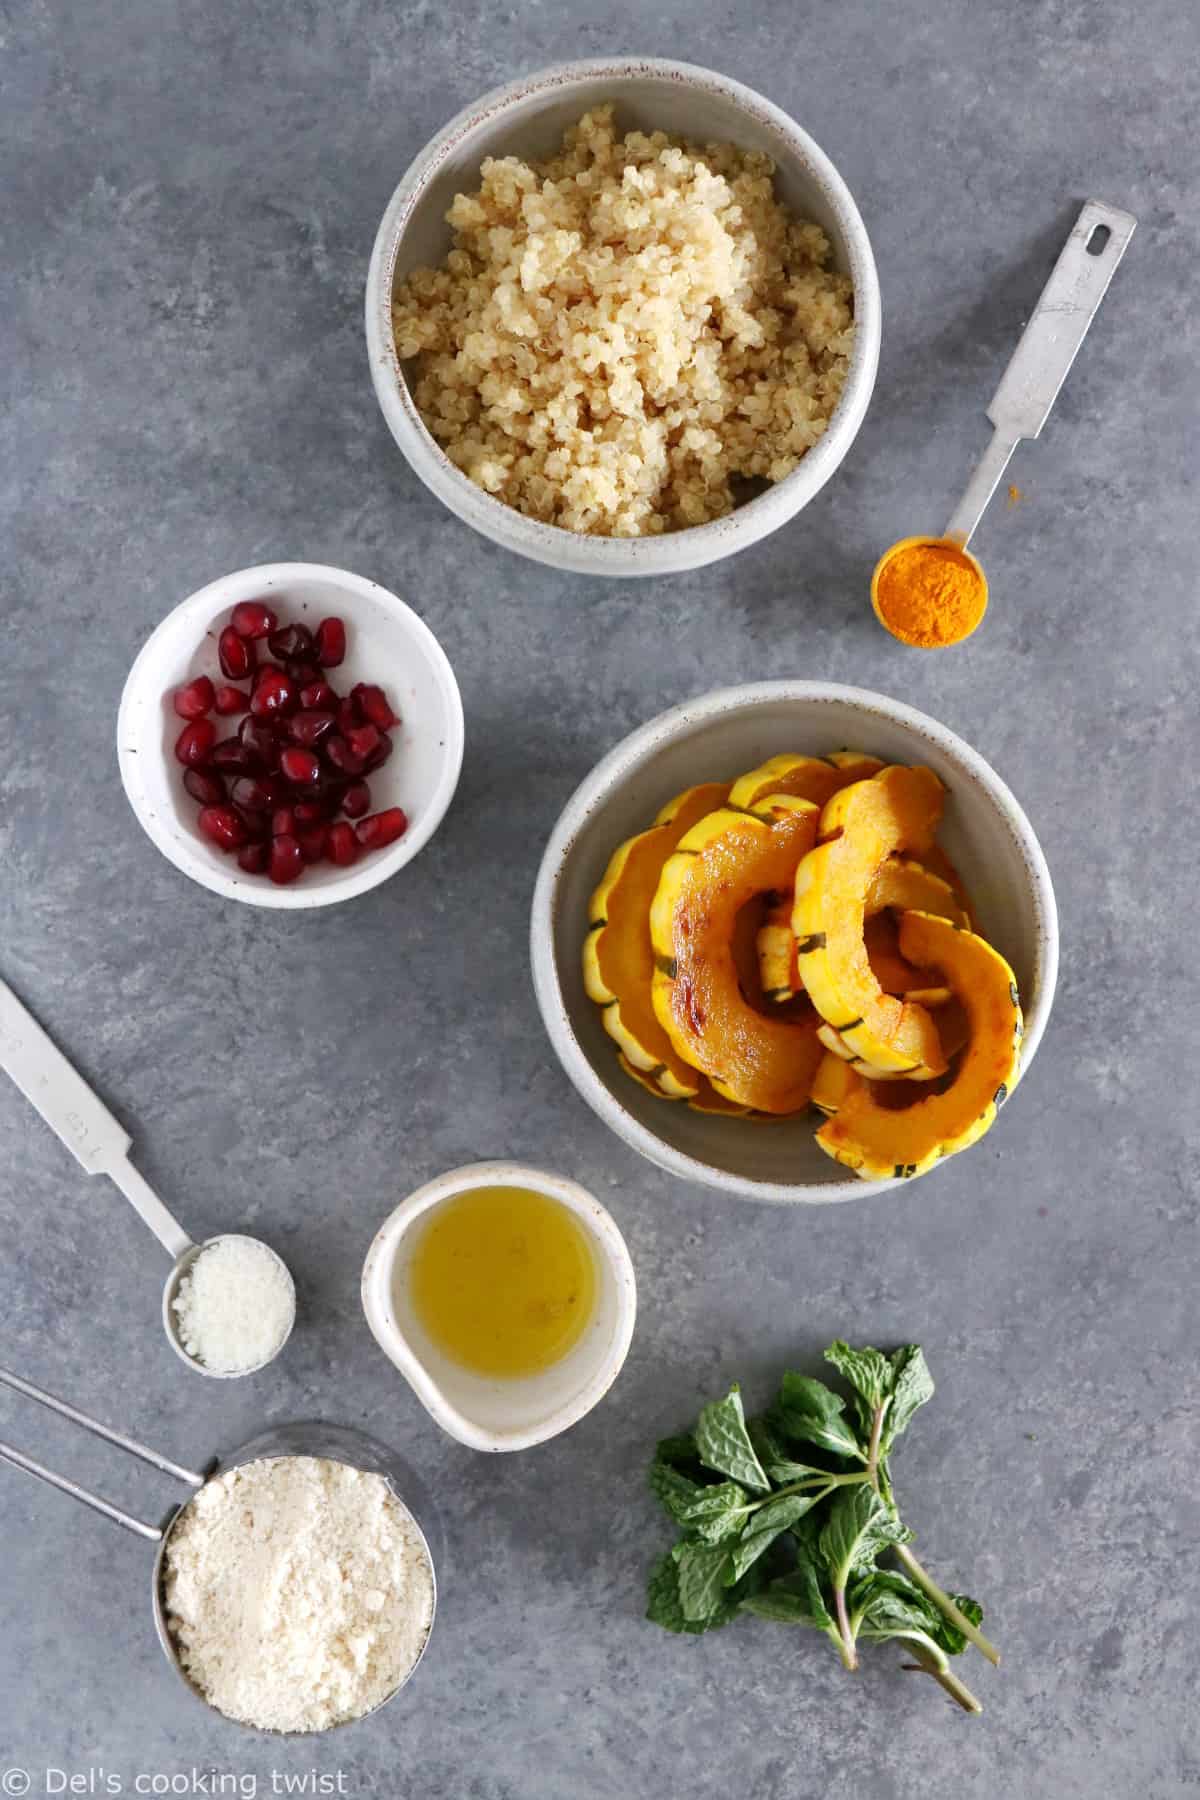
618	962
908	886
815	778
938	863
719	867
900	884
897	810
706	1098
775	946
833	1083
876	1141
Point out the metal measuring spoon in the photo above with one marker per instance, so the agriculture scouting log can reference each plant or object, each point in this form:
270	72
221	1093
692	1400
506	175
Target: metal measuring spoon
1039	366
101	1146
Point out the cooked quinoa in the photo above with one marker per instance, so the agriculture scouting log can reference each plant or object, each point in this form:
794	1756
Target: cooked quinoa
622	335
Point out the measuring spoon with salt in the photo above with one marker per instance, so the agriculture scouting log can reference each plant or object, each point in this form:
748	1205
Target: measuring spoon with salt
1028	389
101	1146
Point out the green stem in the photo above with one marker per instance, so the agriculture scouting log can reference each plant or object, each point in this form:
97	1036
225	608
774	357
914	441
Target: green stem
946	1605
957	1690
824	1483
873	1446
845	1635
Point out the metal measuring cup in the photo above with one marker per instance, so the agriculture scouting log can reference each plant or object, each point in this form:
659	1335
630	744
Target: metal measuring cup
101	1146
334	1443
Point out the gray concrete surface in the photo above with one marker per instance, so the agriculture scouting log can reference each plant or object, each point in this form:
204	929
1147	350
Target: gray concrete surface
188	205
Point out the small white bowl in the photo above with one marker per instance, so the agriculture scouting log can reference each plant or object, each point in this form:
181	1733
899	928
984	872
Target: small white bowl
485	1413
386	643
528	118
718	737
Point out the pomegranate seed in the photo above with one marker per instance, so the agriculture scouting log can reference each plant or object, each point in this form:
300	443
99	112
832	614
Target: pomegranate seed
222	825
194	744
381	828
209	790
290	640
253	619
374	704
253	794
253	857
301	673
285	861
318	697
231	754
379	754
338	752
237	655
363	740
273	693
196	699
254	824
349	714
230	700
312	841
283	822
300	766
260	742
309	727
342	847
356	799
311	812
331	643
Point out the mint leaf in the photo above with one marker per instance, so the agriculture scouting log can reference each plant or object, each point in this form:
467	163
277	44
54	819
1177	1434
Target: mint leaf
783	1607
673	1491
868	1371
857	1528
769	1523
885	1602
795	1598
912	1386
678	1452
946	1633
715	1513
724	1443
663	1605
780	1468
810	1411
702	1571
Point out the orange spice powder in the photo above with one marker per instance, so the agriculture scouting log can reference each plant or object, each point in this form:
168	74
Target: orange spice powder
930	595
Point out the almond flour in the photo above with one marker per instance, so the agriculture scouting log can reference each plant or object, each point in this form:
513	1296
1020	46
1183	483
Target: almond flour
298	1592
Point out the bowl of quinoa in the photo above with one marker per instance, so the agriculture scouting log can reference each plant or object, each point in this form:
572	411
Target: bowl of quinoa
623	317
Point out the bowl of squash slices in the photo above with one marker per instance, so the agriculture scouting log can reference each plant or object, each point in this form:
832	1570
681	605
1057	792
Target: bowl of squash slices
795	940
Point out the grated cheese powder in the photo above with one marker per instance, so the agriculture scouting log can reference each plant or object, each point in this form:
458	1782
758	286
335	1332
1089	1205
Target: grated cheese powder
235	1305
298	1592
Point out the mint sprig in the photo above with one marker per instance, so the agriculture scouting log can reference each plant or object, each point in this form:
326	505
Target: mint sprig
787	1517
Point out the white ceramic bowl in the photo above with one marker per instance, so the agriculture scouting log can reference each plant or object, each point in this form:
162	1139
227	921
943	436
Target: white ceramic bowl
717	737
489	1414
528	118
386	643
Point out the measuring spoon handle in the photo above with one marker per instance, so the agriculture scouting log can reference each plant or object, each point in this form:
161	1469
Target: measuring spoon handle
78	1116
20	1460
1049	344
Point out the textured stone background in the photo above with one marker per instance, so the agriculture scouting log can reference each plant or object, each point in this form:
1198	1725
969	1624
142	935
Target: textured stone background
188	205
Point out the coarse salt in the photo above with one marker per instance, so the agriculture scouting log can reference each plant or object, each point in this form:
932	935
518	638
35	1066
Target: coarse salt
235	1306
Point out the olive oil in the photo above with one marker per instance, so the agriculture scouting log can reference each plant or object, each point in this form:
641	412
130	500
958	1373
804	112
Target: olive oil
503	1280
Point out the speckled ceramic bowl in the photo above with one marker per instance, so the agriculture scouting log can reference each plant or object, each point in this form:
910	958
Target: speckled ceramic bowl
388	642
717	737
528	118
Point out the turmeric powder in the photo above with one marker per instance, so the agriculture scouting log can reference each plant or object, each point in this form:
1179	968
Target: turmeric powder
929	593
